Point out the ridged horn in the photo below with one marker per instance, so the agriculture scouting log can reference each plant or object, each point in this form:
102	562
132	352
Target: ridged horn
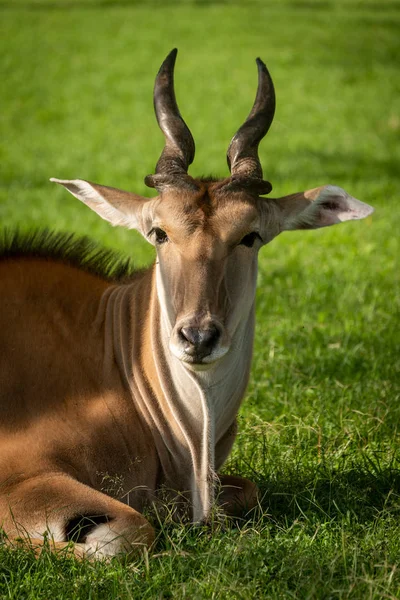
179	149
242	153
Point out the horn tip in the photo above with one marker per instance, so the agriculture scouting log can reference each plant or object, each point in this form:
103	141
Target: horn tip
260	63
169	62
172	55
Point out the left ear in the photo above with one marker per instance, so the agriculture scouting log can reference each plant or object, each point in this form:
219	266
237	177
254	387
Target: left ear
319	207
115	206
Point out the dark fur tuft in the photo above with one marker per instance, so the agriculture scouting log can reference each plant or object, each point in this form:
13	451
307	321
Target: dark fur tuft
80	252
208	179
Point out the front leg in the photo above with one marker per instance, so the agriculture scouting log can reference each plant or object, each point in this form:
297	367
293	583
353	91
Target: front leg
236	495
224	445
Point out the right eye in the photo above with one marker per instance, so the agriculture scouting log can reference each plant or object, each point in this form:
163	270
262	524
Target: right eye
249	239
160	235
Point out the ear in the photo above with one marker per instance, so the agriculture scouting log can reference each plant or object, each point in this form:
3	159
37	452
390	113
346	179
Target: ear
116	206
320	207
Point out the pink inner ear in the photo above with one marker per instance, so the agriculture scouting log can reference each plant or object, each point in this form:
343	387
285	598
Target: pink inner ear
340	206
321	207
332	205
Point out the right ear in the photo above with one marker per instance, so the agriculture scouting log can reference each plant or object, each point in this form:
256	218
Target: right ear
319	207
115	206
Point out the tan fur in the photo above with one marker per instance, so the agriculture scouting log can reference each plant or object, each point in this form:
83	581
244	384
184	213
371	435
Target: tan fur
81	399
119	394
101	410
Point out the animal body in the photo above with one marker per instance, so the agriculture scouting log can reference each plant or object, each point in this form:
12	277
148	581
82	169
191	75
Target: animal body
137	379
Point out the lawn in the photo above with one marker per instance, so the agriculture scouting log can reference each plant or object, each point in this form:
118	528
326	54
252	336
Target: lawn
319	427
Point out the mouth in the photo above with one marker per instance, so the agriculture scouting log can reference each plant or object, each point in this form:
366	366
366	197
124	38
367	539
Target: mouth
196	362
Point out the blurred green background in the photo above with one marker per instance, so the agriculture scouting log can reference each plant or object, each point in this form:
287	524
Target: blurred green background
319	425
77	81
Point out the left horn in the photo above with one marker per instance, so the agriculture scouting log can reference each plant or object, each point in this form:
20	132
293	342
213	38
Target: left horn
179	149
242	153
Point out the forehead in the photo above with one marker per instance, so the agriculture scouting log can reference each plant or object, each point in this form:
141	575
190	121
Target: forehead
209	210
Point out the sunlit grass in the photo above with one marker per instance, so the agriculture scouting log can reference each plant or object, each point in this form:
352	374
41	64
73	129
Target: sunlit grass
319	428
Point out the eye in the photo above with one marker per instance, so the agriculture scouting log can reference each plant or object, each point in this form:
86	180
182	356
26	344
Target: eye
249	239
160	235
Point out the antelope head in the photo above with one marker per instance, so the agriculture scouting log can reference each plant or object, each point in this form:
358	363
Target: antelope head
208	233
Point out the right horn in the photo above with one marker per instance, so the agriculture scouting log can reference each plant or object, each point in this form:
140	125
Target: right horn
242	153
178	152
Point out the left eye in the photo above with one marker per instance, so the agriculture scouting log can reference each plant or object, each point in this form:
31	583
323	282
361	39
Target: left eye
160	235
249	239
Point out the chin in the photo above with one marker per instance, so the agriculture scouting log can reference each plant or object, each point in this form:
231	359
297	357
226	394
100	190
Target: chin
198	366
194	364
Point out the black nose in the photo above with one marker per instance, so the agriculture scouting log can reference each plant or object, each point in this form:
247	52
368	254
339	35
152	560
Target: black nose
199	342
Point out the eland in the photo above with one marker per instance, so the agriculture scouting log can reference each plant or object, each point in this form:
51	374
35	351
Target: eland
136	378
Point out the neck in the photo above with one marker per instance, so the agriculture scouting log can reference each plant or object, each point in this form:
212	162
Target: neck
187	411
205	402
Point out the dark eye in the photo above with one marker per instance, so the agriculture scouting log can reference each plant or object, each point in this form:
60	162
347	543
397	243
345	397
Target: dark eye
249	239
160	235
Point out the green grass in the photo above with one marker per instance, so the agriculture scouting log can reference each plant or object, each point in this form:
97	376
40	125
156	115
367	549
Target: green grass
320	422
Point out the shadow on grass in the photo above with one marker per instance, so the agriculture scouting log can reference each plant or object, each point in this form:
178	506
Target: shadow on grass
357	494
357	497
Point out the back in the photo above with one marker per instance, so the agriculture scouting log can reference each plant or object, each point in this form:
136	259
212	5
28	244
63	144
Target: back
49	336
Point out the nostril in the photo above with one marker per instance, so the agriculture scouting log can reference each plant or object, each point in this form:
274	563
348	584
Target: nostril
210	335
190	334
199	338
